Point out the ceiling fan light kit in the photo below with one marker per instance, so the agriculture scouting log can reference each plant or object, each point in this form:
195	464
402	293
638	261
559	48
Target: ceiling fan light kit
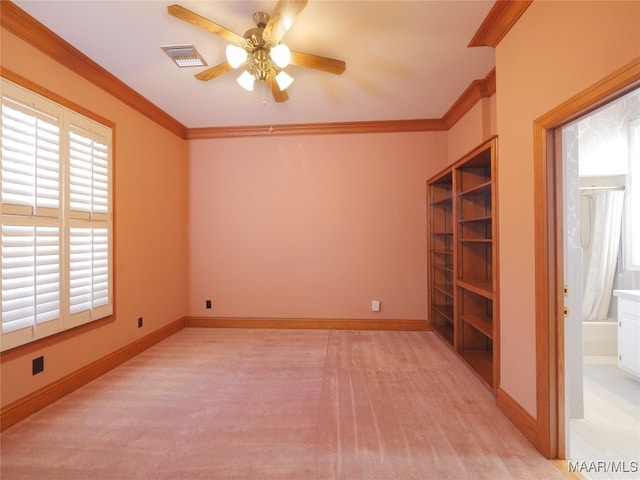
260	50
236	56
281	55
246	80
283	80
261	59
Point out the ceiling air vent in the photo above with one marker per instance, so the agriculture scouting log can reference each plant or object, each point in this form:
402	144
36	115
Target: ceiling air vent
184	55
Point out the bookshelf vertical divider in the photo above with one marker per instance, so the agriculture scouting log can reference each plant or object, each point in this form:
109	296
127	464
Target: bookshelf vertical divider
462	243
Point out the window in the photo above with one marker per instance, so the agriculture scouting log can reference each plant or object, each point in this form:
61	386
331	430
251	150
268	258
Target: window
56	218
633	199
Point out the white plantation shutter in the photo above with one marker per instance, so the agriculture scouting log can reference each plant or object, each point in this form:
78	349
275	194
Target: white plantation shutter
89	253
88	173
30	275
18	283
30	157
56	256
80	270
89	269
47	274
101	283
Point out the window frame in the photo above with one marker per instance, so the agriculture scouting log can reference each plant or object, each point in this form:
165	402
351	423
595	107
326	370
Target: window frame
71	117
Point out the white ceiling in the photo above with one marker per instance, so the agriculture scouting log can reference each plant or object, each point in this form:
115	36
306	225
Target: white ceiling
405	59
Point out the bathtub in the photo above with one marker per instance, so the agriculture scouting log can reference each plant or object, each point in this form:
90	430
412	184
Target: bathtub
600	338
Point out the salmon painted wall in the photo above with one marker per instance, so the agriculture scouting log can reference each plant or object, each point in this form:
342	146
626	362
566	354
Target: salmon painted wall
556	50
151	212
311	226
478	125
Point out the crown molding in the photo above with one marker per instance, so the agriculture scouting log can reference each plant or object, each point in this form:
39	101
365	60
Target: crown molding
477	90
333	128
502	17
21	24
53	96
24	26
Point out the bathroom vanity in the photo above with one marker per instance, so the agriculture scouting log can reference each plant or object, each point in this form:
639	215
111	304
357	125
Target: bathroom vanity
629	331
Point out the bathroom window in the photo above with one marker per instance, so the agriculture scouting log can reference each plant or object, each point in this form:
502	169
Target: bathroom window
632	229
56	218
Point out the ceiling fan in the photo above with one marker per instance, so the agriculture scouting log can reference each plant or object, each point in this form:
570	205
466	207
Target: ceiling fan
259	51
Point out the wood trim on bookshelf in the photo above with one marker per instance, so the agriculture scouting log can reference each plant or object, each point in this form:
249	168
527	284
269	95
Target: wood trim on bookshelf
496	272
23	407
548	238
502	17
21	24
308	323
522	419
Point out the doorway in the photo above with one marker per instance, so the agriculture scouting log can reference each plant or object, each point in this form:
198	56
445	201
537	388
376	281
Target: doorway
551	419
600	155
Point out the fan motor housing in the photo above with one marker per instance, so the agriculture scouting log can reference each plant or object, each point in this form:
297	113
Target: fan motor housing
258	48
261	19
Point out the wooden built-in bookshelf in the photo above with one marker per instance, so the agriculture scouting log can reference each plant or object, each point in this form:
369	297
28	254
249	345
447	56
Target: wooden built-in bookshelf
441	251
463	287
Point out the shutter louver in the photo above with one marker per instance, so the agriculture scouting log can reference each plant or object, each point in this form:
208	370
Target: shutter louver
100	267
89	269
18	282
80	270
89	185
100	178
30	157
47	274
30	276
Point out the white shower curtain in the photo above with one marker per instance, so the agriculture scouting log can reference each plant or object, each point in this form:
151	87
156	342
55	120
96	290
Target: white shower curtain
604	243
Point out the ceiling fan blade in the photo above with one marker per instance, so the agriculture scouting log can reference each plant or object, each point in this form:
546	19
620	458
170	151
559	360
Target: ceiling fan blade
325	64
199	21
214	72
278	95
281	19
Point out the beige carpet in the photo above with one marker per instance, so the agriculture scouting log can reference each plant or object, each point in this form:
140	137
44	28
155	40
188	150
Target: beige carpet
277	404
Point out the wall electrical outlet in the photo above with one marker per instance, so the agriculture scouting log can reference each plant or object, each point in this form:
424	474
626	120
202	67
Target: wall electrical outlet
375	305
38	365
208	303
140	322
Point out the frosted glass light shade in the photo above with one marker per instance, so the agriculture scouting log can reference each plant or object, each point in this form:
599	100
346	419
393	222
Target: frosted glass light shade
236	56
281	55
246	81
283	80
